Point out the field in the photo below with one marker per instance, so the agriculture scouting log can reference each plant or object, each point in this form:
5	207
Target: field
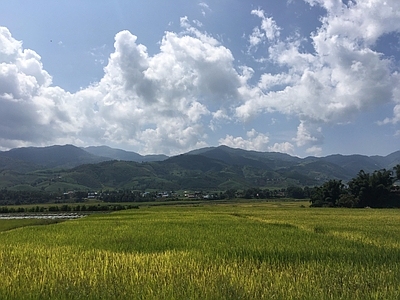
228	251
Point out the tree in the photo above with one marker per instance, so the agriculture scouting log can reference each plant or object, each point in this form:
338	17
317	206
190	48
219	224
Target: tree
397	170
372	190
328	194
307	192
347	200
295	192
231	193
252	193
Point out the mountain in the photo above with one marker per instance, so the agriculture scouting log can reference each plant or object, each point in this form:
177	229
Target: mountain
67	156
64	168
390	161
340	166
355	163
273	166
304	171
17	165
118	154
270	160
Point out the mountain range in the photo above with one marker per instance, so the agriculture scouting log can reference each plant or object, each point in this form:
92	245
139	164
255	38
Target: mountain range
63	168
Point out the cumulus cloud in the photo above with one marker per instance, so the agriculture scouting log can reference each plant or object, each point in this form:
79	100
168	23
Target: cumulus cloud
254	141
395	119
314	151
156	103
284	147
31	110
307	134
155	100
268	31
169	102
341	78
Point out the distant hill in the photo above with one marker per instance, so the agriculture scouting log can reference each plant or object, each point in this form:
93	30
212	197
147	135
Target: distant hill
17	165
63	168
355	163
390	160
118	154
273	166
67	156
270	160
337	166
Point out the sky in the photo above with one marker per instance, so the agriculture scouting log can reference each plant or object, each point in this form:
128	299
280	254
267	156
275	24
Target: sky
303	77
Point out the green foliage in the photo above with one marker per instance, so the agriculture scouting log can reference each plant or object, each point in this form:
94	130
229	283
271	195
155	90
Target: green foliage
347	200
66	208
365	190
397	170
23	197
372	190
220	168
295	192
257	193
126	196
328	194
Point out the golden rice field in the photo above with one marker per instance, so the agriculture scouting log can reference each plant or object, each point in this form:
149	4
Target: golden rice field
232	251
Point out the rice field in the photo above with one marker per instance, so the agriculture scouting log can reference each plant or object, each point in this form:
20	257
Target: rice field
232	251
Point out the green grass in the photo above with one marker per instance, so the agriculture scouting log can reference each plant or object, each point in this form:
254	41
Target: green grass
6	225
23	187
60	187
223	251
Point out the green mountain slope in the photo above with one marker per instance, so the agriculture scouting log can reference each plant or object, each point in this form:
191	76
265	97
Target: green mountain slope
66	156
64	168
118	154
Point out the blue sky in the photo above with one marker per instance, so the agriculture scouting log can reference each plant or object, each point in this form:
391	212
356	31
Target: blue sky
304	77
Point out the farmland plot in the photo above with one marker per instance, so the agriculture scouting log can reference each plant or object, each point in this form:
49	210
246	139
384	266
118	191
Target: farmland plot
242	251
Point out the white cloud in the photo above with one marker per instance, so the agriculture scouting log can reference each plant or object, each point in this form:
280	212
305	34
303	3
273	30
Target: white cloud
31	110
205	8
221	115
156	103
307	134
395	119
98	54
169	101
9	47
284	147
343	77
269	80
364	21
267	31
198	23
204	5
314	151
194	32
255	141
155	98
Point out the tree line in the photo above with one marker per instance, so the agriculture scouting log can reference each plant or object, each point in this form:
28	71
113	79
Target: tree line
375	189
10	197
65	208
